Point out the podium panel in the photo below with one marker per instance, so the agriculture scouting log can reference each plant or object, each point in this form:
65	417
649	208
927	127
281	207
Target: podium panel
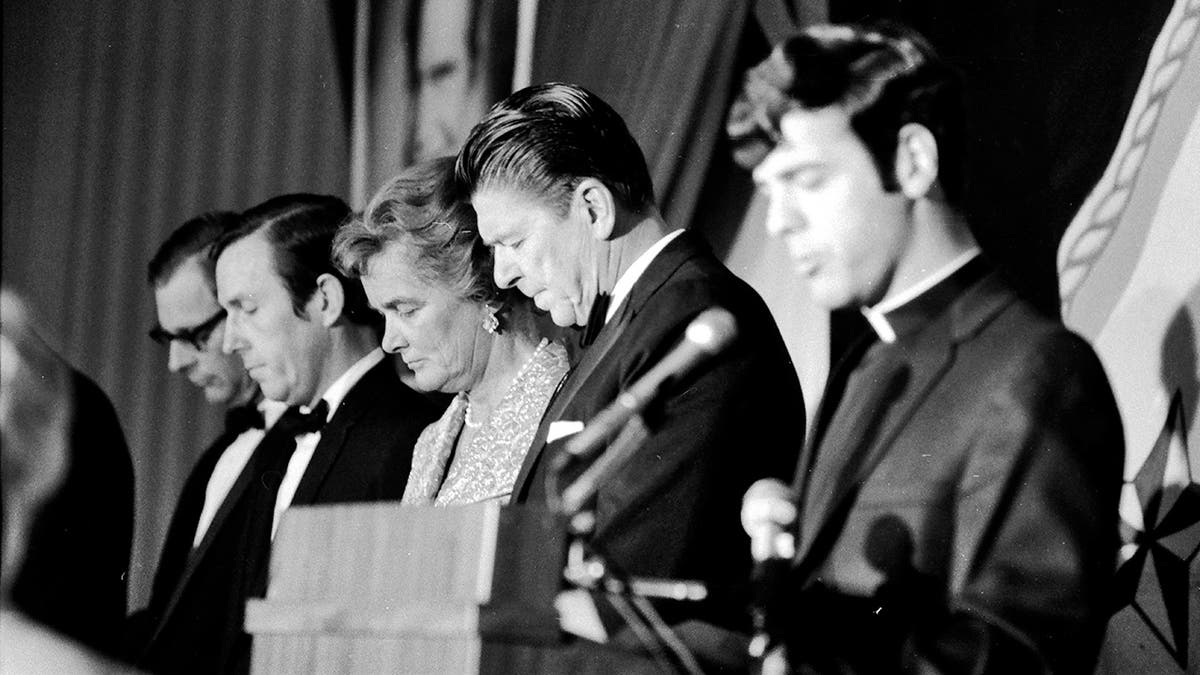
370	588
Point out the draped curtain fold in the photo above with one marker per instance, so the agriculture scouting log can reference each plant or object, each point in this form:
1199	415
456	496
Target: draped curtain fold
670	68
121	120
667	67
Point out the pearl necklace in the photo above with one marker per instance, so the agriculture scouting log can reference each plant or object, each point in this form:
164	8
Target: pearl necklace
473	424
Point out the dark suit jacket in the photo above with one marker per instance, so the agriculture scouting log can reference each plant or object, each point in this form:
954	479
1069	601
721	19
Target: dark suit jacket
979	532
364	454
673	511
89	518
178	545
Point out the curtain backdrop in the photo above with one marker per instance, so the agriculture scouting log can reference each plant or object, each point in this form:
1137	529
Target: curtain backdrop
121	120
1130	278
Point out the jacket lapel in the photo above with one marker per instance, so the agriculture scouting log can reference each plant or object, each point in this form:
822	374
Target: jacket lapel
919	368
236	492
660	269
834	390
907	380
177	548
593	356
335	433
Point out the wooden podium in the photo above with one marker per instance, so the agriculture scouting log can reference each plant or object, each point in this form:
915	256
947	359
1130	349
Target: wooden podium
385	588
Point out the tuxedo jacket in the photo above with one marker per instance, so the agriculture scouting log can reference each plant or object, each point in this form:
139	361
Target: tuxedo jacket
177	546
977	529
364	454
673	510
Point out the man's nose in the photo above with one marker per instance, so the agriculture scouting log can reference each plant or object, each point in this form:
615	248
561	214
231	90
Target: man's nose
393	338
504	269
231	341
180	356
780	217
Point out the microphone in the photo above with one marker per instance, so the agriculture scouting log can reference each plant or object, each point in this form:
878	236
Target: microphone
706	336
768	513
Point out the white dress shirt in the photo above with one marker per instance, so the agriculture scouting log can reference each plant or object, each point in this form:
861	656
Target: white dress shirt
230	465
306	444
634	272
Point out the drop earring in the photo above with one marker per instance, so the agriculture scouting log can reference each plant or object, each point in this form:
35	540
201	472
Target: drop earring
491	322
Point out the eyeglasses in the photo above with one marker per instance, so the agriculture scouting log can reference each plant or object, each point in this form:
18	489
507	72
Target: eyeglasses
196	337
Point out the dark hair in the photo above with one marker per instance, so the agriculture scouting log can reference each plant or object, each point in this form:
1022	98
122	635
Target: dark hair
194	237
424	209
300	229
882	76
544	139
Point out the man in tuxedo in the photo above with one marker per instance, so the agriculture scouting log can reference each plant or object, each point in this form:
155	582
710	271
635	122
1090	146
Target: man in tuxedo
958	495
309	338
305	335
564	200
190	326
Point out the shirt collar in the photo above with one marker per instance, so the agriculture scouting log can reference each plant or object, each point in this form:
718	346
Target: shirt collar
877	315
337	391
271	411
634	272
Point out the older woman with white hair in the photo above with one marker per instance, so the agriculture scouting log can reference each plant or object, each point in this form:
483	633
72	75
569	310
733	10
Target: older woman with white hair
425	269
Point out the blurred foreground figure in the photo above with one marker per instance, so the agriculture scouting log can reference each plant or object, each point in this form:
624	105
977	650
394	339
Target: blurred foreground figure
35	456
958	498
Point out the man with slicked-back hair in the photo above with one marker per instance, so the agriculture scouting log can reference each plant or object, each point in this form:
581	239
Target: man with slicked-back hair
958	501
564	198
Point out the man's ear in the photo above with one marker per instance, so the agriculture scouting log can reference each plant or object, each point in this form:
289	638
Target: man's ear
594	202
916	160
328	300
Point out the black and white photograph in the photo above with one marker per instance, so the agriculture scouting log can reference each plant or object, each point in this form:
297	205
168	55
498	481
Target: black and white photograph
774	337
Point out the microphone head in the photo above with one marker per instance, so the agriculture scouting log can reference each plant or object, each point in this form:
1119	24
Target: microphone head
712	330
768	503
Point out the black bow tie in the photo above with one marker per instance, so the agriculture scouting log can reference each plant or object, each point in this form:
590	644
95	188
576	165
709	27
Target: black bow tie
243	418
595	320
297	423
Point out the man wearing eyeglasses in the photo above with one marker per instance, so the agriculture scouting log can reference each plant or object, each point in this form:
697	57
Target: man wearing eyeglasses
189	316
191	327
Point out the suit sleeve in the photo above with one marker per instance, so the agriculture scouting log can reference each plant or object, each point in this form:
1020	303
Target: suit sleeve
1036	522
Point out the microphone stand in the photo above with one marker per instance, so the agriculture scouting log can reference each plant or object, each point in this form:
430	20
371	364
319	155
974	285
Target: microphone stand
588	568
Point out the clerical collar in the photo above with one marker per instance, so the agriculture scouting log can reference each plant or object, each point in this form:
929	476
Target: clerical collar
634	272
342	386
889	316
